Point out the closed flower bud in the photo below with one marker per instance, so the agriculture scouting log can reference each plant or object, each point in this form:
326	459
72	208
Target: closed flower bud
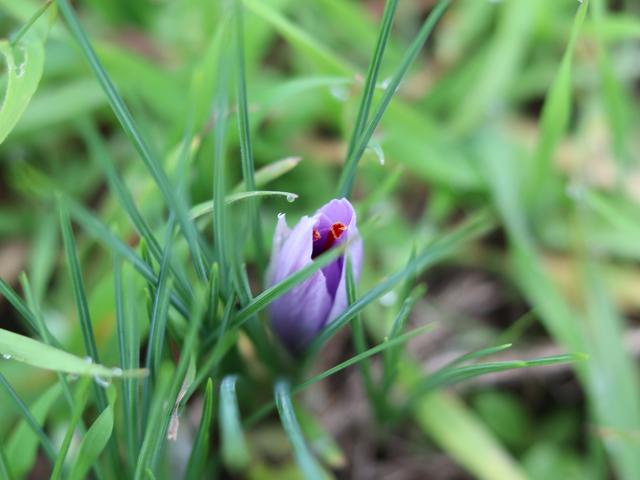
298	315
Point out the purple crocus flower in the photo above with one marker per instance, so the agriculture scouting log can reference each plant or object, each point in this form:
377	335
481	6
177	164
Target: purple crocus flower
298	315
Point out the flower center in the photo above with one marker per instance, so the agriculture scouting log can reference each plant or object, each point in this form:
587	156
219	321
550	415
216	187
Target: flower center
325	240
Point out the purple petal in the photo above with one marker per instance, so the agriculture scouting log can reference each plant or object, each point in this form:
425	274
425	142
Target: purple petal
354	253
300	313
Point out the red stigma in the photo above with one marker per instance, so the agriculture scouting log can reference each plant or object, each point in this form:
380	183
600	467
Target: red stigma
316	235
335	232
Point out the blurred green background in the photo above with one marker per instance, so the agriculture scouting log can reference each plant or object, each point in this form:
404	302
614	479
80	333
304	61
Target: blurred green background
525	109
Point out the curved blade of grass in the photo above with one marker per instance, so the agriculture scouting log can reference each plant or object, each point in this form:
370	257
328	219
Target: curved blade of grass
360	345
220	223
159	314
30	419
555	111
118	187
23	444
235	454
4	465
95	440
198	457
78	284
246	150
127	353
450	376
80	297
432	254
207	207
166	396
297	36
392	355
308	465
102	233
133	133
271	172
26	350
81	396
371	78
349	170
341	366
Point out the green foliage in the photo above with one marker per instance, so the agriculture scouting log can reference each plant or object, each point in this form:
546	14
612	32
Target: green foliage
233	107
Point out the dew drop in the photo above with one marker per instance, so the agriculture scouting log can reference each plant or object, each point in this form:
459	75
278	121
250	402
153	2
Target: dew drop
388	299
291	197
117	372
103	382
6	356
339	92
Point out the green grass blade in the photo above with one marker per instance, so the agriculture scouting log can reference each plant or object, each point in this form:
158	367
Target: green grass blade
555	112
158	423
42	260
271	172
360	345
308	465
223	343
450	376
159	314
30	419
207	207
200	450
81	397
349	170
23	444
297	36
95	440
133	133
432	254
387	344
40	355
17	303
220	224
392	355
80	297
235	454
126	354
371	78
4	465
101	232
246	149
118	187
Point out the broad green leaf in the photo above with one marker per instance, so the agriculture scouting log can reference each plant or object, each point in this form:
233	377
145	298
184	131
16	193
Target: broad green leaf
37	354
95	440
22	446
